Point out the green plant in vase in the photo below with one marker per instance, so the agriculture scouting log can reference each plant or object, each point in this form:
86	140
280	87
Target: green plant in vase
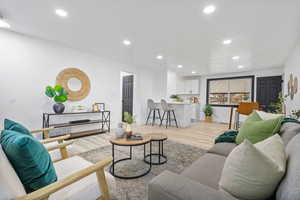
59	95
129	119
208	111
279	107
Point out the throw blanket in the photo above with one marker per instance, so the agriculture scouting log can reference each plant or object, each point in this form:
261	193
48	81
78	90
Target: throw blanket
230	135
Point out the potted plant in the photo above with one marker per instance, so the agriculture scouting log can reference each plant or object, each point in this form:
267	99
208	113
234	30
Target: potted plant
208	111
129	119
59	95
279	107
176	97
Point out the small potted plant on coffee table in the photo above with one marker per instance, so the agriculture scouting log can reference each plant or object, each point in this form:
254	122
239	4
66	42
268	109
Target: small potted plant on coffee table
208	111
129	119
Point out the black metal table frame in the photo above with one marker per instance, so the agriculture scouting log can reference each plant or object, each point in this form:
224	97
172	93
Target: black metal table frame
104	120
162	159
114	162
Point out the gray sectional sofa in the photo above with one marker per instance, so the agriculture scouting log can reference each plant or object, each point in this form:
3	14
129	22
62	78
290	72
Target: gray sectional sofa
200	180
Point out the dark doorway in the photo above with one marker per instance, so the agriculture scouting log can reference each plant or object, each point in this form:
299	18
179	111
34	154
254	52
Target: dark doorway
127	95
268	90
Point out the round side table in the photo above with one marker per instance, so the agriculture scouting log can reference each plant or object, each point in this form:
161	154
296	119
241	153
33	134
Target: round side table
161	158
130	144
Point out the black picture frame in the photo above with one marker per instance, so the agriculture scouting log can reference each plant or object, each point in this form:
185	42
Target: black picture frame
252	77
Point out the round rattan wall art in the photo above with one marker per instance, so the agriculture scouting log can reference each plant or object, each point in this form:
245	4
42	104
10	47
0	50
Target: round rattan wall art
75	82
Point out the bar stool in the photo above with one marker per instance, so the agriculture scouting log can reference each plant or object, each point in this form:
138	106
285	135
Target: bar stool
152	109
167	109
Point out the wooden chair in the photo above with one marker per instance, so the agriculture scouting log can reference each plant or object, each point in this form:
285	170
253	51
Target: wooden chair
57	147
244	108
77	178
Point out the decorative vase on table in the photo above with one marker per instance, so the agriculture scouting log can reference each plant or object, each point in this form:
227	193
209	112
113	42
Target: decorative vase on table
59	108
128	130
120	131
59	95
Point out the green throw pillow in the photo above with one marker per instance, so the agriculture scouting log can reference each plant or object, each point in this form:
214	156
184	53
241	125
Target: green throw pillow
29	158
255	129
14	126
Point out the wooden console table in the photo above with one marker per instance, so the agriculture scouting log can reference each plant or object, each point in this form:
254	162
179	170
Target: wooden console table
103	121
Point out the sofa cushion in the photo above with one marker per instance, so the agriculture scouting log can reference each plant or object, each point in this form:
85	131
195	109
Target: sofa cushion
253	171
170	186
206	170
10	184
290	184
266	116
288	131
14	126
29	158
222	149
86	188
255	129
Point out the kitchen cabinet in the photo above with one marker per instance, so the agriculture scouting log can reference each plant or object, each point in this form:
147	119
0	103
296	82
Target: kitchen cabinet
187	86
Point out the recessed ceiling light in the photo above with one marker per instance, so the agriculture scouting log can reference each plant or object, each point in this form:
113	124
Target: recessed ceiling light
227	42
179	66
235	58
4	24
209	9
193	72
61	13
240	66
126	42
159	57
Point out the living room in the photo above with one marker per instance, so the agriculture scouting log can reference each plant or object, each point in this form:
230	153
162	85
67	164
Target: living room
136	105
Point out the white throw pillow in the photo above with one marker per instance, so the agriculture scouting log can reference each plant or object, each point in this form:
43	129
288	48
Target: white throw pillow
266	116
252	172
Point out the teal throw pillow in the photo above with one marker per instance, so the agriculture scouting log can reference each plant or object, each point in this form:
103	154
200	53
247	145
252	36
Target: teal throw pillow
14	126
29	158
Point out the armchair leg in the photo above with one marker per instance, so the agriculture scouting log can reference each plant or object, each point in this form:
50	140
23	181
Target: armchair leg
103	184
63	152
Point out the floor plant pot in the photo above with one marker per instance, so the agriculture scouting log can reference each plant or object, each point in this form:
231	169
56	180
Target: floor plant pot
208	119
59	108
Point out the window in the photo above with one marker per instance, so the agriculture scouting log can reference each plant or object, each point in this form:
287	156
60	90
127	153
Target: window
230	91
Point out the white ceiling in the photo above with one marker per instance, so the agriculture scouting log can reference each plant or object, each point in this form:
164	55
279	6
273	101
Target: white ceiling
263	32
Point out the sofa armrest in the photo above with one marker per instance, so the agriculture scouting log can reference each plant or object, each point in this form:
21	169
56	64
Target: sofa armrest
170	186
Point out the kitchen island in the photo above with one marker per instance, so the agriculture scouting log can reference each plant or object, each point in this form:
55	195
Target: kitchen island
185	112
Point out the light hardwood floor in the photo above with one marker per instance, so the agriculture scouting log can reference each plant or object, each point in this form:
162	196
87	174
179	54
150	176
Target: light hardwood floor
200	134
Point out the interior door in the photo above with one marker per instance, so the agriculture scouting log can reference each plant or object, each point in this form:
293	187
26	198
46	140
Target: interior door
268	89
127	95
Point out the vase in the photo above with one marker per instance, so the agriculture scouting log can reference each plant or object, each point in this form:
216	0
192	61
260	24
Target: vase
128	130
59	108
208	119
120	131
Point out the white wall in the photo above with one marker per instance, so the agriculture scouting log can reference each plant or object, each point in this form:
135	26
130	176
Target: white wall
222	114
28	65
292	66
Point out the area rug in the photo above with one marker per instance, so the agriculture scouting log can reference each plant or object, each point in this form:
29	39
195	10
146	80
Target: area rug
179	156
